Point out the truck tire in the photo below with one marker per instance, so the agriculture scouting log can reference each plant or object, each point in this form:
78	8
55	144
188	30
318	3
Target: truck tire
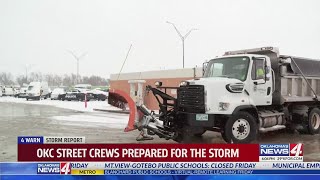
223	135
241	128
314	121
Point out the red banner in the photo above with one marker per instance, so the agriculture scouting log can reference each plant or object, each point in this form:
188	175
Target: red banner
139	152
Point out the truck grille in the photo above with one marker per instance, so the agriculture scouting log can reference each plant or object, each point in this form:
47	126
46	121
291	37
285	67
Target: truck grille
191	98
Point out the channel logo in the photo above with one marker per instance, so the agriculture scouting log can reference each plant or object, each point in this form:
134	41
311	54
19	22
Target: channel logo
65	168
281	149
48	168
281	152
274	149
296	149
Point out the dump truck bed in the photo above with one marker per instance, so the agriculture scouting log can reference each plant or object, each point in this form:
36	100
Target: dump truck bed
296	89
300	79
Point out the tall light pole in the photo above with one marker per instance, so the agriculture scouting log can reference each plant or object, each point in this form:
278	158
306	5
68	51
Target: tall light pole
77	58
27	66
182	38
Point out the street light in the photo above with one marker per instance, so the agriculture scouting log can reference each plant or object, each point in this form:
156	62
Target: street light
77	59
182	38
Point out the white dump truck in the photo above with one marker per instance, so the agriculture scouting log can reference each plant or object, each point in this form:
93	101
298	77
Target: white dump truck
241	94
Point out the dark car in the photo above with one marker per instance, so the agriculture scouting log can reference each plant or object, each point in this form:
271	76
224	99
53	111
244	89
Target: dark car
77	95
99	94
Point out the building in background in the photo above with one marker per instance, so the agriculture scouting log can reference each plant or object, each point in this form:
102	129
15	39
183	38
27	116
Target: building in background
169	78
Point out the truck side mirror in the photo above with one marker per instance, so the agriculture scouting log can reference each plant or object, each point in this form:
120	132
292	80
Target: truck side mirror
204	67
267	71
260	66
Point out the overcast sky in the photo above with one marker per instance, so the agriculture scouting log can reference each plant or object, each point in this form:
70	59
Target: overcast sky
39	32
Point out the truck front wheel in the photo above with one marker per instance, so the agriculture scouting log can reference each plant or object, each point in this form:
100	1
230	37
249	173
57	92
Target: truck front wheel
314	121
241	128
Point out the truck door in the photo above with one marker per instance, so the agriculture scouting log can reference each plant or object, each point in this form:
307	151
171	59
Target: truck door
261	81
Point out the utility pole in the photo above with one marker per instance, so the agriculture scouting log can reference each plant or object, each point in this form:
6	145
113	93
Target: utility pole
183	38
77	58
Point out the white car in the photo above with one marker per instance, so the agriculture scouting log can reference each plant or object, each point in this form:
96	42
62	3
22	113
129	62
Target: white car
8	91
23	92
58	93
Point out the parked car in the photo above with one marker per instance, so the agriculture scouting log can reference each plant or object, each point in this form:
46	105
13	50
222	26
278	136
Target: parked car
37	90
16	91
78	95
49	93
23	92
99	94
83	86
8	91
58	94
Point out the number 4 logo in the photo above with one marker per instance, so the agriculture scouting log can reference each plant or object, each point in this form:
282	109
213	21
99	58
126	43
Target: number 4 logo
296	149
65	168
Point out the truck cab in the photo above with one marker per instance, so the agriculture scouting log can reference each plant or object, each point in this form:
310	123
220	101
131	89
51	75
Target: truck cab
231	83
236	80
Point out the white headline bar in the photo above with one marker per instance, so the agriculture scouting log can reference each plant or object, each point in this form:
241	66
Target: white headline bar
64	140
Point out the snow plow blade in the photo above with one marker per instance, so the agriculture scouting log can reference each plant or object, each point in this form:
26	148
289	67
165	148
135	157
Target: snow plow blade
143	119
121	99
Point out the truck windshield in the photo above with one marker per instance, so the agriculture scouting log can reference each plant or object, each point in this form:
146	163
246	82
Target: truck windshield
30	88
229	67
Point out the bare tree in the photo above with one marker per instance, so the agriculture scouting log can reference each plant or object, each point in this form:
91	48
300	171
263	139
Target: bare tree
35	76
21	80
6	78
53	79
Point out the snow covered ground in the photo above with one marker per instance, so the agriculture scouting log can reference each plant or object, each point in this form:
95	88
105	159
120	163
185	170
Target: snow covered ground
90	118
117	121
73	105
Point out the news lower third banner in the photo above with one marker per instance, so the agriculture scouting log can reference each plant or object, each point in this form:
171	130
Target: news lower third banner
72	149
44	155
160	168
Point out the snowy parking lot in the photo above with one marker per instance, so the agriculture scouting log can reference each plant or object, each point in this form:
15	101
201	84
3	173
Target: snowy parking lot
70	118
72	105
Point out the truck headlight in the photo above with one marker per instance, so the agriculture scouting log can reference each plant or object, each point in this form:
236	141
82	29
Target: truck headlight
184	83
223	106
158	83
